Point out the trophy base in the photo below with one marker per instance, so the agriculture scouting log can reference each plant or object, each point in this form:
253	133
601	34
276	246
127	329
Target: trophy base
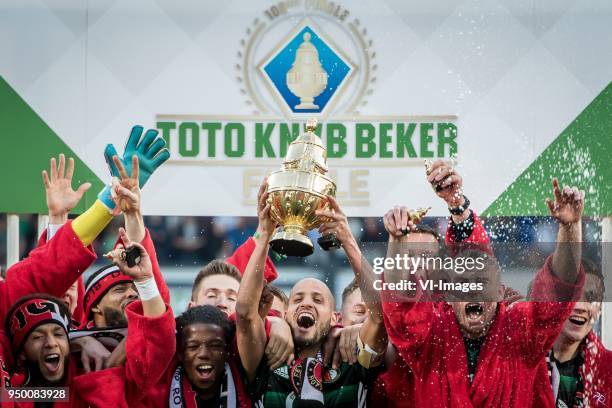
329	241
291	244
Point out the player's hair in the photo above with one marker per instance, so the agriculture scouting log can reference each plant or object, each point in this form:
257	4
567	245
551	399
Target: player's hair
207	315
591	267
349	289
215	267
426	229
278	292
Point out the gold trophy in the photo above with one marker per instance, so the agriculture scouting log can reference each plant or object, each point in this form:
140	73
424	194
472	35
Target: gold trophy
296	191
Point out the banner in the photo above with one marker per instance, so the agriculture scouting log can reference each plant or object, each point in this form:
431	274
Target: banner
487	85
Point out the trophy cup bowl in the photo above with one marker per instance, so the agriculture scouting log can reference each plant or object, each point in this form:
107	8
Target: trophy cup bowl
294	196
297	191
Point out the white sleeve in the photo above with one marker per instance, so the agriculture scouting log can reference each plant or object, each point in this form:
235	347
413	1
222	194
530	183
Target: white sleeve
52	229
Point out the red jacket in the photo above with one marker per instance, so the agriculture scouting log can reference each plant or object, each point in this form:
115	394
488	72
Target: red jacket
5	346
51	269
100	389
147	243
395	387
78	314
149	367
150	348
429	339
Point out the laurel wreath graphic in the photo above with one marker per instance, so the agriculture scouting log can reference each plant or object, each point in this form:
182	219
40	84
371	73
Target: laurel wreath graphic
258	107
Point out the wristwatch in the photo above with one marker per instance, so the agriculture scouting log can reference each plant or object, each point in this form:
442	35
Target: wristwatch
460	209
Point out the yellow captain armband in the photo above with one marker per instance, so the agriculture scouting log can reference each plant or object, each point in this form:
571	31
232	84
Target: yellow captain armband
90	224
367	357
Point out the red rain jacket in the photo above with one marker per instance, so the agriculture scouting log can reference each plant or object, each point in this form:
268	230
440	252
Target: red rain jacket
50	268
394	388
147	243
428	337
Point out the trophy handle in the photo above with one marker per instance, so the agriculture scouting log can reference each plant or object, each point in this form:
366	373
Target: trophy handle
328	242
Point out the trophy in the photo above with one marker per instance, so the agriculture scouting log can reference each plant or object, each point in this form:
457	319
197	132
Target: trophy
297	191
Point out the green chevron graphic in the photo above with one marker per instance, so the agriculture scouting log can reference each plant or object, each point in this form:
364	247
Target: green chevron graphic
27	145
581	155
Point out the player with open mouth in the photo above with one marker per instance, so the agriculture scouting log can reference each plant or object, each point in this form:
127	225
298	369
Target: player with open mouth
493	350
38	328
579	367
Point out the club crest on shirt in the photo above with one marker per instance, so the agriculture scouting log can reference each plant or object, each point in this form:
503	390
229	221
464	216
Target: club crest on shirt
315	375
331	375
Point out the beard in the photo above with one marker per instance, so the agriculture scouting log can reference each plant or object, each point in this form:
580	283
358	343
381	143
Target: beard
114	317
319	335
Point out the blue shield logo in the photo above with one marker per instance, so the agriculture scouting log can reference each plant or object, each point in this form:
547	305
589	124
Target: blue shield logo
307	72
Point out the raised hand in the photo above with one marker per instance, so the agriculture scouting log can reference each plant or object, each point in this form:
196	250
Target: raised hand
126	192
568	204
266	225
140	272
151	153
61	198
447	183
397	223
337	223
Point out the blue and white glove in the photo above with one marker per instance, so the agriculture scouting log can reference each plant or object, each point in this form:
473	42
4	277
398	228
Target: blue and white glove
151	152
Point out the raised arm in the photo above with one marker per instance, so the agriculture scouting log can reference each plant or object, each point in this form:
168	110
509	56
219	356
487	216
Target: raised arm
151	342
567	209
250	329
372	334
61	199
128	194
408	321
338	226
558	284
54	267
464	225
